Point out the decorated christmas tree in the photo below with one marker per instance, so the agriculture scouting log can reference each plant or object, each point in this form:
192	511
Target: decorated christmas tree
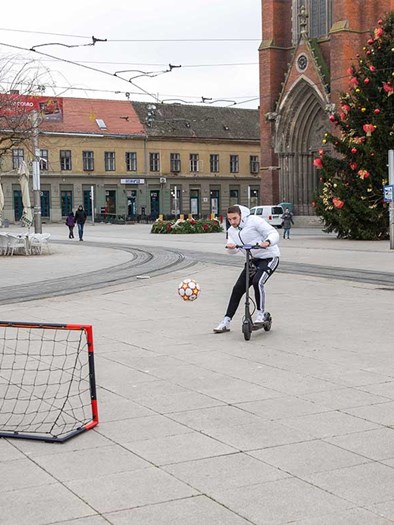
350	198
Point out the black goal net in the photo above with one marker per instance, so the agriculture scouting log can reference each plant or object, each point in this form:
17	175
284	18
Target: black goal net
47	381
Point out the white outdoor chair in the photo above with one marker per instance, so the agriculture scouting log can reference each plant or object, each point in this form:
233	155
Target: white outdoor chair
37	241
3	244
17	244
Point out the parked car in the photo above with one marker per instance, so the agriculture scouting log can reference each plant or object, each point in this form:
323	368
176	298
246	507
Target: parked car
272	214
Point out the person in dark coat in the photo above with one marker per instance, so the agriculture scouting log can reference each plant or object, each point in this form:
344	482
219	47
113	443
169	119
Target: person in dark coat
70	222
287	221
80	219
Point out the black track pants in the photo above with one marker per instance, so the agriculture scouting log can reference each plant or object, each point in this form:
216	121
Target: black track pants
264	269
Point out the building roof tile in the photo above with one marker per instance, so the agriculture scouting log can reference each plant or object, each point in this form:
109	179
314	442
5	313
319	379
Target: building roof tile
182	121
83	115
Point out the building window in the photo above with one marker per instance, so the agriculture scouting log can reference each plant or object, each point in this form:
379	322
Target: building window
254	164
154	161
234	163
194	162
254	197
88	160
175	162
65	160
44	162
17	156
214	163
131	160
234	197
319	19
109	160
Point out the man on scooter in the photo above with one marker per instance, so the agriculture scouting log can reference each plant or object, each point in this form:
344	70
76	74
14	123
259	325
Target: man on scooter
253	230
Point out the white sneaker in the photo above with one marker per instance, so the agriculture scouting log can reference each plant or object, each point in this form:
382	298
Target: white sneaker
260	319
223	326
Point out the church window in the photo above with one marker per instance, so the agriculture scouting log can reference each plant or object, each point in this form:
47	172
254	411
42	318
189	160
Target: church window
317	20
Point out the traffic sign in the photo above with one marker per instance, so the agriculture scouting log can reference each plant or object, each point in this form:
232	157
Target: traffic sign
388	193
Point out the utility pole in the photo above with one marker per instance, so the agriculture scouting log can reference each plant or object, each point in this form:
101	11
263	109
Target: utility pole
93	202
391	205
36	174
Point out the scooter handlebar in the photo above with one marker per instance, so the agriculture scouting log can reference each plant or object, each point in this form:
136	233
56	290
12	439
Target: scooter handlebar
249	246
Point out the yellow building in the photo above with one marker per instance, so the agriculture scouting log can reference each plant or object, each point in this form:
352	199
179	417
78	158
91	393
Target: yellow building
134	160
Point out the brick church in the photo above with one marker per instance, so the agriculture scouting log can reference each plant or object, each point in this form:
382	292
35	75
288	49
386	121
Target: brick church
307	47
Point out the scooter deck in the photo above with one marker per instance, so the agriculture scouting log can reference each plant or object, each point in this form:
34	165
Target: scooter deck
266	324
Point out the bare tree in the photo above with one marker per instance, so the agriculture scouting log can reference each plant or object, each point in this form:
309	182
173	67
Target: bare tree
19	85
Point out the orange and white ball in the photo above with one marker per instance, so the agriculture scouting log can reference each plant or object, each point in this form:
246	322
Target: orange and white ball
189	290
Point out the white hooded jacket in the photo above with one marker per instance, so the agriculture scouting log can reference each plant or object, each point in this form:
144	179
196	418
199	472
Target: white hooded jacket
253	229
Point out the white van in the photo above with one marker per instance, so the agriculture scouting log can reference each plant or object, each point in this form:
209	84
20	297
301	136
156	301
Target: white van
272	214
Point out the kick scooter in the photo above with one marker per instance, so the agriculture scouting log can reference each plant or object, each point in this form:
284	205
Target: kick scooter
247	323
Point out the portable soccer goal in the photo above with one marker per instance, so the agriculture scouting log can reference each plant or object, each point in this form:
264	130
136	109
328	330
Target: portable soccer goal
47	381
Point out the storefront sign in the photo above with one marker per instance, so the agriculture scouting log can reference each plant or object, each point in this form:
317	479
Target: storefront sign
132	181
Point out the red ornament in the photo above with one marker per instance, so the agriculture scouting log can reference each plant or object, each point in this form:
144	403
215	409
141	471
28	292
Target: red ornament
380	21
354	81
353	166
363	174
321	152
346	108
332	118
318	163
354	150
376	111
378	32
372	68
369	129
388	88
366	80
370	41
337	203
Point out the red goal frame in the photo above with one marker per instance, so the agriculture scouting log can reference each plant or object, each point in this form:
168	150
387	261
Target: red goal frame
91	419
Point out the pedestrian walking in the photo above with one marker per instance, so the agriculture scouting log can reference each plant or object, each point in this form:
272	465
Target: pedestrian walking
287	221
70	222
80	219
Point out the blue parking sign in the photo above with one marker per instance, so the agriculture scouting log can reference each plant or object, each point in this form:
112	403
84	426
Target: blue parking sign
388	193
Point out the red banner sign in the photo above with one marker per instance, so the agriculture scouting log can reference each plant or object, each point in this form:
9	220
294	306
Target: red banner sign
50	108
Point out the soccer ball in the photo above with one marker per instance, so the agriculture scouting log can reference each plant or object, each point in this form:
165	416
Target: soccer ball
189	290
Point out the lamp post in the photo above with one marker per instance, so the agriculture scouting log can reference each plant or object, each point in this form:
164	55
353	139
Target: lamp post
36	174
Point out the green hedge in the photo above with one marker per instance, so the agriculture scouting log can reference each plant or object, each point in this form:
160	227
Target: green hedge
187	226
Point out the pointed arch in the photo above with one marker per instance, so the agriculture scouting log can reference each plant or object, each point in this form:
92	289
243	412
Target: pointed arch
301	124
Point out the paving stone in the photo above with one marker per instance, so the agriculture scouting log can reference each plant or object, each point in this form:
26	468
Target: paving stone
190	511
130	489
299	459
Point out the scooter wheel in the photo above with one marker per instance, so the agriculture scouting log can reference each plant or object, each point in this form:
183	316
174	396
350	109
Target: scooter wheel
268	323
247	330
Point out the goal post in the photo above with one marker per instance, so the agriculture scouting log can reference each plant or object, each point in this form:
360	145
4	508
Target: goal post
47	381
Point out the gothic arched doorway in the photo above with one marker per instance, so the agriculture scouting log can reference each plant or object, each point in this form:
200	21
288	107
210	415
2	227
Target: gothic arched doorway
301	124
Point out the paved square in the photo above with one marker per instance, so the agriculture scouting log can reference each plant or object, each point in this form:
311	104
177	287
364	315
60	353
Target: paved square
293	426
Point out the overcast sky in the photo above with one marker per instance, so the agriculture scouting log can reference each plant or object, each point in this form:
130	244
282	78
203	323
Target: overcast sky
224	71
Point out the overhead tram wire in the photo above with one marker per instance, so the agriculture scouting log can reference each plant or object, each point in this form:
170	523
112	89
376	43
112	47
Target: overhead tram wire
135	39
31	50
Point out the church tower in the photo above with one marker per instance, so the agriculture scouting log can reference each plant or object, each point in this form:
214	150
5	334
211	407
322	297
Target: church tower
306	49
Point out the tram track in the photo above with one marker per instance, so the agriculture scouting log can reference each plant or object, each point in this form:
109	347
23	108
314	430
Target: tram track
153	261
